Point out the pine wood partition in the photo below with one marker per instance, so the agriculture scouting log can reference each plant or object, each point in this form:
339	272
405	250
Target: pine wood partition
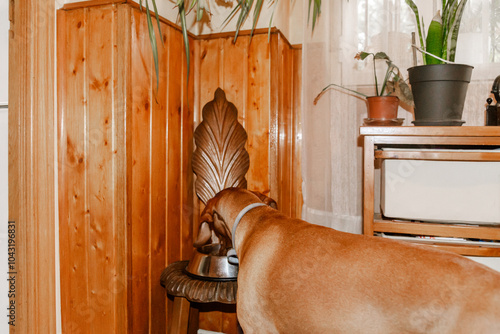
125	186
261	75
126	201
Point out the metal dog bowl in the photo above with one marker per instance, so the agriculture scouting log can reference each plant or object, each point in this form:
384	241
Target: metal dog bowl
206	264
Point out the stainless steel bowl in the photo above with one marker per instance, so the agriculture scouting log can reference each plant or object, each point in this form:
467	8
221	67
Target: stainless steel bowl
206	264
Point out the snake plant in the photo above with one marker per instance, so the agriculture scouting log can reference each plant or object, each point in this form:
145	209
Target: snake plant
201	7
442	35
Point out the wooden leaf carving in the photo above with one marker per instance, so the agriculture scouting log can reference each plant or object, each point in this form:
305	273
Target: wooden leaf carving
220	160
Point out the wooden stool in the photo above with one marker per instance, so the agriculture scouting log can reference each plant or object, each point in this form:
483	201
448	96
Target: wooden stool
186	290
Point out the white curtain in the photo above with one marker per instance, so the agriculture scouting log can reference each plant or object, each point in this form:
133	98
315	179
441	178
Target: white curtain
332	147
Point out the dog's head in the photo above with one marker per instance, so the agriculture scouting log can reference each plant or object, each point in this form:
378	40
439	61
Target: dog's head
223	207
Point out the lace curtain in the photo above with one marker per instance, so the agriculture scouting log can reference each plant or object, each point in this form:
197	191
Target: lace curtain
332	148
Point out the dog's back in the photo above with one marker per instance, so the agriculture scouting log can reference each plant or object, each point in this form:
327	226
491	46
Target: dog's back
296	277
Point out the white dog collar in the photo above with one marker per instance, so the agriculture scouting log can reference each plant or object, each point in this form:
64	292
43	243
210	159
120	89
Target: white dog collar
231	254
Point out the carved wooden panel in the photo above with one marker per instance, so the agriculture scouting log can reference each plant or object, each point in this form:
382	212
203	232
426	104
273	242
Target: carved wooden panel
220	160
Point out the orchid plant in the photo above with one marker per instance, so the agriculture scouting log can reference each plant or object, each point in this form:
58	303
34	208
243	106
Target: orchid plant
392	84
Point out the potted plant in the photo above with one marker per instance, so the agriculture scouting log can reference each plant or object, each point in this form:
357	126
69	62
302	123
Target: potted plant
383	106
439	86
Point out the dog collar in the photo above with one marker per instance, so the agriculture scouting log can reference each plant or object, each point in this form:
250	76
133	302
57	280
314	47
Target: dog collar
231	254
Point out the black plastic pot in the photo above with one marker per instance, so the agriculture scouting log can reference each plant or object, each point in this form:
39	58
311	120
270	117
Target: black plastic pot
439	93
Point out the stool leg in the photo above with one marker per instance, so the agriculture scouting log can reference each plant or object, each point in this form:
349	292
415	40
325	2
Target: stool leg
194	322
180	316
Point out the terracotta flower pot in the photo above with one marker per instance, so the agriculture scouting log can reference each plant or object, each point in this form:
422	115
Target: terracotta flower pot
382	107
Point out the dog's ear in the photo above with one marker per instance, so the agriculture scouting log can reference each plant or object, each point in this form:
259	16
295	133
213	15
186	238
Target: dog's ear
204	235
266	200
206	226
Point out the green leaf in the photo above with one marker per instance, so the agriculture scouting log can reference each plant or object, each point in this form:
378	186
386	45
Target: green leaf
199	11
421	35
152	38
157	20
269	29
335	85
434	41
316	6
256	13
363	55
452	37
381	55
448	14
182	15
245	6
230	16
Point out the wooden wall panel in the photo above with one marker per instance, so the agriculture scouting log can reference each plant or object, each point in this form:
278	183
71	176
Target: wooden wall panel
141	77
257	116
188	206
126	185
296	184
260	78
32	156
125	144
92	189
100	168
72	145
158	233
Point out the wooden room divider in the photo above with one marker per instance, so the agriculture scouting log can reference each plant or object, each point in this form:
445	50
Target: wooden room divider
126	203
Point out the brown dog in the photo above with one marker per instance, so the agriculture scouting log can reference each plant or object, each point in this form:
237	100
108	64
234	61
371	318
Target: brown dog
296	277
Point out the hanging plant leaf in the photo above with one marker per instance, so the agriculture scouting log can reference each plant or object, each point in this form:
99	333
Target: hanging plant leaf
152	38
244	6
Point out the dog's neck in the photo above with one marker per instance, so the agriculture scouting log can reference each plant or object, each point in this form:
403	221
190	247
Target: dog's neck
227	209
239	216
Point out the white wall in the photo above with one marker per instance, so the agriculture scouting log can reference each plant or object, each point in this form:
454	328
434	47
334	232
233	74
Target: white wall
4	64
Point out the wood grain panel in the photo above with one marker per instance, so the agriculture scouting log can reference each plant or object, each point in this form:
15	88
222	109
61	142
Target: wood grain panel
296	185
122	116
137	197
140	176
99	165
274	110
32	159
257	122
185	173
72	172
174	110
235	72
158	187
209	71
134	210
285	117
92	192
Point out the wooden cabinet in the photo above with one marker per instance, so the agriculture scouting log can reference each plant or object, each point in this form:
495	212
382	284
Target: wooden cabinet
414	140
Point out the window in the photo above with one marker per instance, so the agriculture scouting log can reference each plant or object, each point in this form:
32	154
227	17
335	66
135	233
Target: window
386	25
